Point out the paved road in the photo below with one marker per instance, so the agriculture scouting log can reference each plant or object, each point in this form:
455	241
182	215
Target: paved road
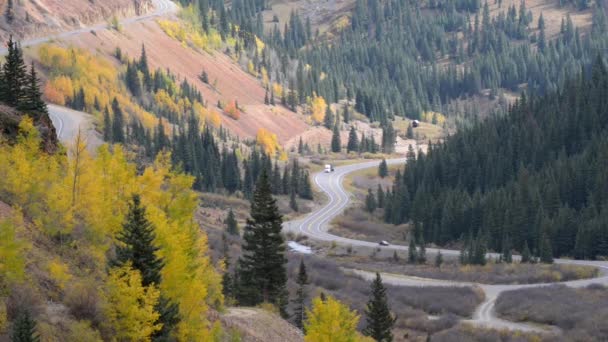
68	122
161	7
316	226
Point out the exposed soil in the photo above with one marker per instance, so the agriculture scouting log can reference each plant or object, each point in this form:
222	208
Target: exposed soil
231	81
40	17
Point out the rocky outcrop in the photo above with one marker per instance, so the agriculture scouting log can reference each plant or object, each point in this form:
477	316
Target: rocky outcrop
9	128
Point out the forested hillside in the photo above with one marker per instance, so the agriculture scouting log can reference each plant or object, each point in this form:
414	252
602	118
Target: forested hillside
534	176
403	57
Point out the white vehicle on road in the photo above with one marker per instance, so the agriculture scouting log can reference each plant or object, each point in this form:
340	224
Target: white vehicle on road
329	168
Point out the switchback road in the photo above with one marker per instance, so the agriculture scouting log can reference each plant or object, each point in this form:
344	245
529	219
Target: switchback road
316	226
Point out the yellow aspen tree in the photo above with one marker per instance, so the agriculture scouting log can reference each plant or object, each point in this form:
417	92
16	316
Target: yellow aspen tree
331	321
129	306
318	108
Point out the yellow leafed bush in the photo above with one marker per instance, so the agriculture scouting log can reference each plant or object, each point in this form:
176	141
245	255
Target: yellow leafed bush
130	306
331	321
59	272
268	141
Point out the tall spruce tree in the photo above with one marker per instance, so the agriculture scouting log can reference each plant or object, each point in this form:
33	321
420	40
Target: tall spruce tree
232	226
227	279
370	201
383	169
353	140
263	275
412	254
118	133
14	75
24	328
107	125
299	311
31	101
138	248
379	319
336	144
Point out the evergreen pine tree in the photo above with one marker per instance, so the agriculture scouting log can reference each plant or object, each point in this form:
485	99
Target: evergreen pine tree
438	259
107	126
336	145
24	328
507	255
118	134
421	250
346	114
232	226
32	102
379	319
137	247
380	198
293	204
353	140
14	75
546	252
227	279
328	120
262	276
383	169
299	311
412	254
137	244
145	69
370	201
305	186
301	147
526	256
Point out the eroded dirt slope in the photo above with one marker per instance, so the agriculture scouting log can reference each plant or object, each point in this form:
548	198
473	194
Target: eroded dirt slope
231	82
39	17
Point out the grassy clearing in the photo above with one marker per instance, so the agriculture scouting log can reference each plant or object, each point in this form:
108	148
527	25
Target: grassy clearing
467	332
581	313
491	273
358	224
411	304
426	131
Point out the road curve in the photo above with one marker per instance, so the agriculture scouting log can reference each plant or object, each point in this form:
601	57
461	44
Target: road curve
161	7
69	122
316	225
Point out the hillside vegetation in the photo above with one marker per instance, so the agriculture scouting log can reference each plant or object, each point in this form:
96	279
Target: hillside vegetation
533	178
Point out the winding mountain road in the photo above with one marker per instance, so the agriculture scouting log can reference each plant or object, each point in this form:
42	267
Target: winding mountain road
316	225
68	122
161	7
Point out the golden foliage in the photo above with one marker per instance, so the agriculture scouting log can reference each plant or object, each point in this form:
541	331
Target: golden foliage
431	117
331	321
318	106
190	34
278	89
130	306
59	272
268	141
12	254
60	192
232	110
72	69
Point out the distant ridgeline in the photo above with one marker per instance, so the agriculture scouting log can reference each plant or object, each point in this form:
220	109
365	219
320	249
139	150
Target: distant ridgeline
20	95
536	175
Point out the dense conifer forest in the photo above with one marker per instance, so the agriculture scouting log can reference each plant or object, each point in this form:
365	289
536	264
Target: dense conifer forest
535	175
